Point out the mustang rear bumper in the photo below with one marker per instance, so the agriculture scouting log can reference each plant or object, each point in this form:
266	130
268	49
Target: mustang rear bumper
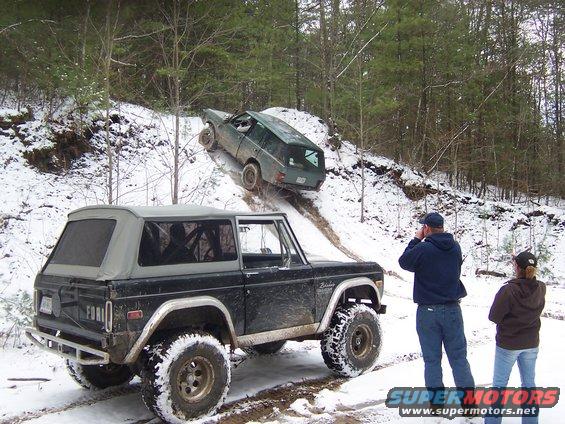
84	355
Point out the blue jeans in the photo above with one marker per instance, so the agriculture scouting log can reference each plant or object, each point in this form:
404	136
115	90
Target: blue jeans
439	325
504	361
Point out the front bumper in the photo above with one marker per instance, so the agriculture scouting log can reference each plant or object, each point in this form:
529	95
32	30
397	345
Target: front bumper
84	355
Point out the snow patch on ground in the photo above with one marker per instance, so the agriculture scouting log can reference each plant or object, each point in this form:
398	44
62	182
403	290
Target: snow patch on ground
35	204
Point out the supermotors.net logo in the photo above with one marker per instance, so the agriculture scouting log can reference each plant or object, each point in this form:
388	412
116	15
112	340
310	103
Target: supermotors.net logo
454	402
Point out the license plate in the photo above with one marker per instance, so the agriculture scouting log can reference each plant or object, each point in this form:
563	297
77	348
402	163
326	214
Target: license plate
301	180
46	306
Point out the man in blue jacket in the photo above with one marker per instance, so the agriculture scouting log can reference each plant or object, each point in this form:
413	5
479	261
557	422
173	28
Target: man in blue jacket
435	259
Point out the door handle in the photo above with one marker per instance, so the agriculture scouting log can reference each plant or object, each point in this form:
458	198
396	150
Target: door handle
249	274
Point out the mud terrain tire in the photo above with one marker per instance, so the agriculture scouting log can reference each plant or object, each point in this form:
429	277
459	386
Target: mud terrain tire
207	138
265	348
187	377
352	342
251	177
97	377
154	354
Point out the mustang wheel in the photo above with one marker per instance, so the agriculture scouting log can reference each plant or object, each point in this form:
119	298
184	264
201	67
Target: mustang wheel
94	377
187	377
251	176
352	343
207	138
265	348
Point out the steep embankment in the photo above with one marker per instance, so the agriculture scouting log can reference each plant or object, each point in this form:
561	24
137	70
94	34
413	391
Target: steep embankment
50	168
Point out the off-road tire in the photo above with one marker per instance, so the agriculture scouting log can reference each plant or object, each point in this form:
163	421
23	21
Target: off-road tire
168	384
352	343
97	377
265	348
154	354
251	177
207	138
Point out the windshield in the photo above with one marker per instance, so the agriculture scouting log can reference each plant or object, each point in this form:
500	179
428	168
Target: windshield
305	159
84	242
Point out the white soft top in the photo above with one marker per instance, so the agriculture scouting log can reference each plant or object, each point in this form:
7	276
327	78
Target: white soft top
120	261
169	211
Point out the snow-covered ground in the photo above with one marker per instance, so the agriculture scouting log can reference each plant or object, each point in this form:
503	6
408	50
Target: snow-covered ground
34	207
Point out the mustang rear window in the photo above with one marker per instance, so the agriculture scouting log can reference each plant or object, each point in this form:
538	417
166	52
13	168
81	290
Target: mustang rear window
84	242
185	242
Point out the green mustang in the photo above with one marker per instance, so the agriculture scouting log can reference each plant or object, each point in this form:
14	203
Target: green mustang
269	149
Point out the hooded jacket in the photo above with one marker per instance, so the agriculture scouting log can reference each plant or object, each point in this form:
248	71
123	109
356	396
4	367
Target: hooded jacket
436	264
516	310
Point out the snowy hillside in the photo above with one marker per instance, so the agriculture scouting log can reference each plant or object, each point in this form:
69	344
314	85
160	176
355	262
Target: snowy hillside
38	192
396	196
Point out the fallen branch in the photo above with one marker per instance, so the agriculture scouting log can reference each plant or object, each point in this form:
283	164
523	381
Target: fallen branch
491	273
29	379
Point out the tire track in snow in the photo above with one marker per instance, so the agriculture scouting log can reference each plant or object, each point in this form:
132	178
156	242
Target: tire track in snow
254	407
85	400
275	400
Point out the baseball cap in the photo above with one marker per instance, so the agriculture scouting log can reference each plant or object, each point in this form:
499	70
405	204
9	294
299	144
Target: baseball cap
526	259
433	219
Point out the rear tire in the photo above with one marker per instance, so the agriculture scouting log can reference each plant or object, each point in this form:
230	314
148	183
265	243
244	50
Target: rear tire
97	377
187	377
265	348
251	177
207	138
352	343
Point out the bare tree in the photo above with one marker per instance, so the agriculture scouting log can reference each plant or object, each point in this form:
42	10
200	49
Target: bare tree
108	46
186	34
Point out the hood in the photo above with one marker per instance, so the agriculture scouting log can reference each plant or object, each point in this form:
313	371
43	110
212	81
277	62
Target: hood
443	241
530	293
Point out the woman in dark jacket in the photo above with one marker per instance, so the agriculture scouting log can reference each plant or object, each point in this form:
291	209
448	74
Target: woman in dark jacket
516	311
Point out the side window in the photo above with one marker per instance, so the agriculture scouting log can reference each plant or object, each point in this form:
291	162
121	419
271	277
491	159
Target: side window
290	253
243	122
257	132
171	243
260	244
273	145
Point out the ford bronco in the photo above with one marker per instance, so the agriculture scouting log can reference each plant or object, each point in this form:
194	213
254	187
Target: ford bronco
167	292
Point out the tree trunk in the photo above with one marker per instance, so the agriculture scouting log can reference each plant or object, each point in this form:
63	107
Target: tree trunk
297	70
109	40
176	102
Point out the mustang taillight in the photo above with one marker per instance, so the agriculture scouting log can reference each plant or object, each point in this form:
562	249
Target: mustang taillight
279	177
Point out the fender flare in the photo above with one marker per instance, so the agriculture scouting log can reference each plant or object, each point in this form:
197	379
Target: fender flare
174	305
338	291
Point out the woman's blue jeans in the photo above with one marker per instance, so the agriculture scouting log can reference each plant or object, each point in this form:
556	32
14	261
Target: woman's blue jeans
504	361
